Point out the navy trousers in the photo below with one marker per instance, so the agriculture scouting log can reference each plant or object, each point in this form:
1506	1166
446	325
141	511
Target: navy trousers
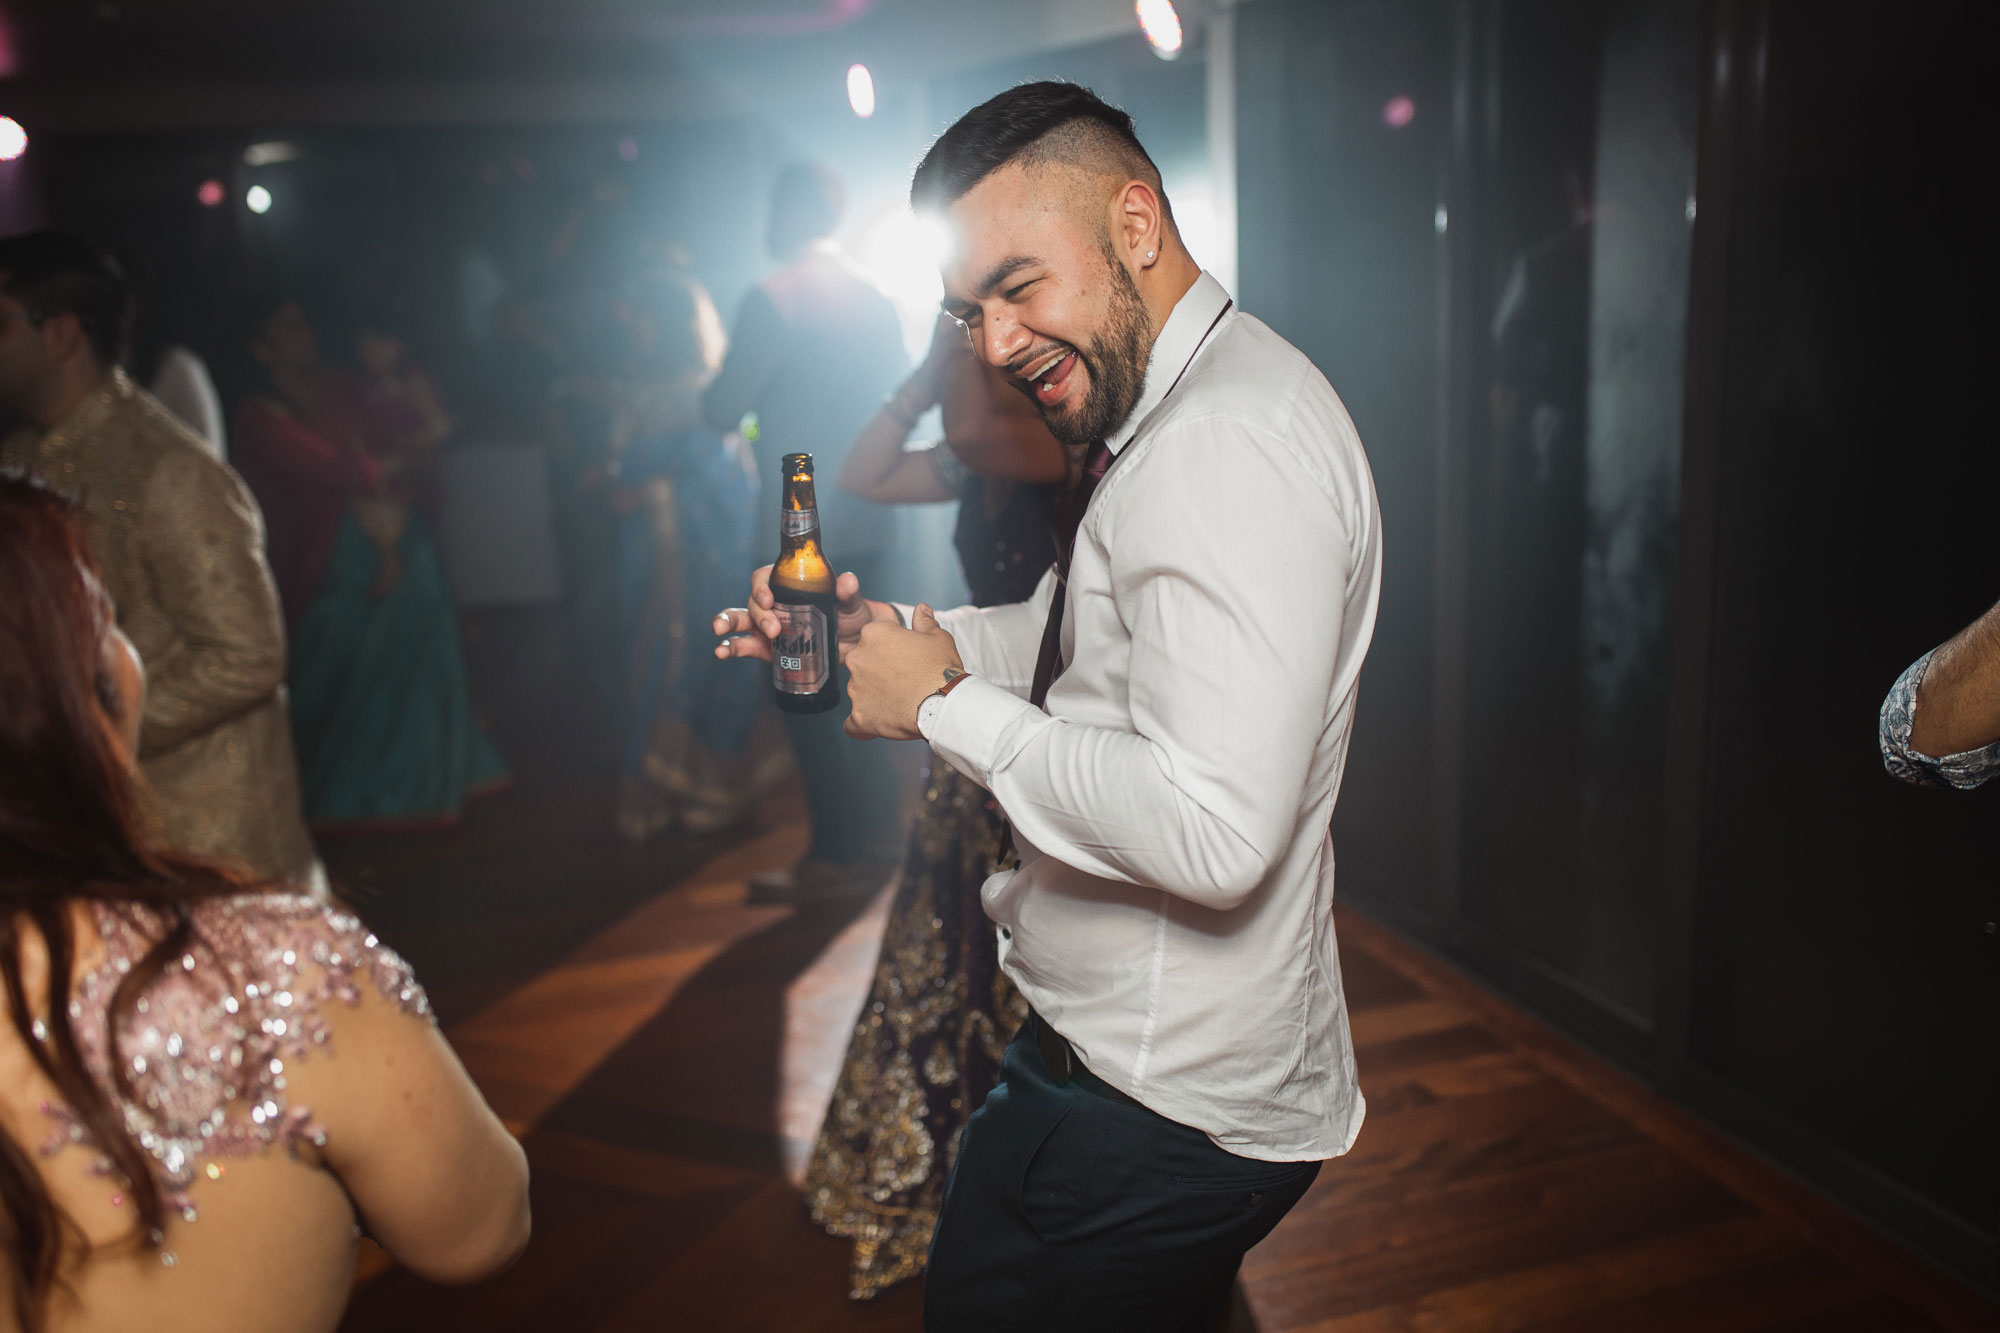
1072	1207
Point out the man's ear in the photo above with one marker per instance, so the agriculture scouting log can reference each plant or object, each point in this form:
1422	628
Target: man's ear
63	337
1138	222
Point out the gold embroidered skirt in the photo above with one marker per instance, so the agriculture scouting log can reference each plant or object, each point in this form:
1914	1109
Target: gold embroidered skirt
926	1049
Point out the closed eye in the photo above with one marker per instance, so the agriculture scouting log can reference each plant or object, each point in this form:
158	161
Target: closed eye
1014	293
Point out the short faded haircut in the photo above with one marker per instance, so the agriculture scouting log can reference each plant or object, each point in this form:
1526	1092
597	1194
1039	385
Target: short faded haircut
1036	124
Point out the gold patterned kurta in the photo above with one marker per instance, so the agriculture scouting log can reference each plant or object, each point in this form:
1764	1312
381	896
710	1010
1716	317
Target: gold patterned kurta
926	1049
181	545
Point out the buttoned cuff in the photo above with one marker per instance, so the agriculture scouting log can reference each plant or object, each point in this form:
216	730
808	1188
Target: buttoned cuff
969	726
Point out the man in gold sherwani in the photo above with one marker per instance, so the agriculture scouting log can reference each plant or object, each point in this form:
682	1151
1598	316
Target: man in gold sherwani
181	545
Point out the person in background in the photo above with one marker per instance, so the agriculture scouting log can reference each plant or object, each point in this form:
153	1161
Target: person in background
814	350
405	412
180	542
380	703
182	384
204	1084
1940	724
928	1046
702	743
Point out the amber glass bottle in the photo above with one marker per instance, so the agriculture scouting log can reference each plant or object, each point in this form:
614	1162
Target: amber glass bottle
806	657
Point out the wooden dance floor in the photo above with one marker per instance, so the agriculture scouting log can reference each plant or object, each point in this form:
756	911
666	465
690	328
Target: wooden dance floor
665	1051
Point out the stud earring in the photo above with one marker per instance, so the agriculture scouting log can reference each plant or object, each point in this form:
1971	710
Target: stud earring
1149	254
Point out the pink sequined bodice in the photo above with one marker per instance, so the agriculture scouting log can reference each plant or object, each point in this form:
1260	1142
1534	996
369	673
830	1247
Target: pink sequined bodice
207	1043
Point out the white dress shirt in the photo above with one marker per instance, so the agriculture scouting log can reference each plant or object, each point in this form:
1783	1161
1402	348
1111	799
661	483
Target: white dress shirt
182	382
1172	914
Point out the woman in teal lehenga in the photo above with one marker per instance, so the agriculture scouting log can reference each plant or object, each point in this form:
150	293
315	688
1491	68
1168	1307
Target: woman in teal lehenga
380	708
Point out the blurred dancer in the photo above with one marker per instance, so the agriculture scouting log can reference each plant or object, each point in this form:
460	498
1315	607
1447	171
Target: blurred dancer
379	697
814	350
938	1017
181	546
702	740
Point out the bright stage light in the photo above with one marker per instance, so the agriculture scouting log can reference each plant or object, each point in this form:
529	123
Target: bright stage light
13	139
901	252
257	199
270	152
1162	26
211	194
861	90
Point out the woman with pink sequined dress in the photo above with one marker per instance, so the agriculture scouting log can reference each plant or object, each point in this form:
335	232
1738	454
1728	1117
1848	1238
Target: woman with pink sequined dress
206	1090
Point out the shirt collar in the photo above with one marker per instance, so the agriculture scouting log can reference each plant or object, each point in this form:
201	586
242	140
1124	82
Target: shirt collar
1181	337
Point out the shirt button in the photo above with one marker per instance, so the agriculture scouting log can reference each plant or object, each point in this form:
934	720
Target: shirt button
1254	1199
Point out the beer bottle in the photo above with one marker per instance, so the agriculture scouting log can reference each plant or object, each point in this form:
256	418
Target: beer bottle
806	654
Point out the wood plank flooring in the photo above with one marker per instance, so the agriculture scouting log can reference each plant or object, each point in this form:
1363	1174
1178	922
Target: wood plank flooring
665	1051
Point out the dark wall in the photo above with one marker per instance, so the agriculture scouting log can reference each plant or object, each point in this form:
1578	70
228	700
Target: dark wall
1340	253
1667	325
1845	973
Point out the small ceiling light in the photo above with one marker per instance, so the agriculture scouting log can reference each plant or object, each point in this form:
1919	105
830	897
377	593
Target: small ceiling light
13	139
211	194
257	199
1162	26
270	153
1398	111
861	90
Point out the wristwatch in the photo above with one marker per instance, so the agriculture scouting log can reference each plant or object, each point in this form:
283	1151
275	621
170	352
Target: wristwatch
933	702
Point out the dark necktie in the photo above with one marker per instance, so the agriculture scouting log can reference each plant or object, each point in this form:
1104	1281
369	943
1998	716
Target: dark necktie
1069	511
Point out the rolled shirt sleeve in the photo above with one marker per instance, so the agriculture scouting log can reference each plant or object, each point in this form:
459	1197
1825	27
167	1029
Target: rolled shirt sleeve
1899	716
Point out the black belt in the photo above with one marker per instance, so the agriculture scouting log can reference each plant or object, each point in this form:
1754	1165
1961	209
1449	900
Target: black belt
1062	1064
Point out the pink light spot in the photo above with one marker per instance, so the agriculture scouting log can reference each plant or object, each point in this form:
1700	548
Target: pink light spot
628	148
1398	112
211	194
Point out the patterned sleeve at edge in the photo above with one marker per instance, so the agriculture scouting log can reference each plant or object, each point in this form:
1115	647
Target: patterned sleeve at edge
955	475
1899	713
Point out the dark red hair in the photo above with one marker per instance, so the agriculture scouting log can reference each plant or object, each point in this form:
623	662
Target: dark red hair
72	828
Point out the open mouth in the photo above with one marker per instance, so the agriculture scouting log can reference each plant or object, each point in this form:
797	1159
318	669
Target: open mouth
1050	376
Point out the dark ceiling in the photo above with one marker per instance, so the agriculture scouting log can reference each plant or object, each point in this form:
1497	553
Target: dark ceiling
312	39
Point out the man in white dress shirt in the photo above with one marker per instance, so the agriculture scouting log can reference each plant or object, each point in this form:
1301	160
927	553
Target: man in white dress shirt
1187	1066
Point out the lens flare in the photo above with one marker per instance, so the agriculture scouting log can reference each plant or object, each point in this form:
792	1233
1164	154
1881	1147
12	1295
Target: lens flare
211	194
901	252
13	139
861	90
1398	112
257	199
1162	26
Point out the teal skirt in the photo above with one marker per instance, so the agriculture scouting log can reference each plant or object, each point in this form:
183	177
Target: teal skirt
381	713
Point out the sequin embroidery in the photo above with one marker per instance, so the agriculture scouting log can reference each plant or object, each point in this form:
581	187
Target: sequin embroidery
207	1044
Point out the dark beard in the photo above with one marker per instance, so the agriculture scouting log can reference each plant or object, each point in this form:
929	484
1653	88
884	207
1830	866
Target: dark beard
1116	359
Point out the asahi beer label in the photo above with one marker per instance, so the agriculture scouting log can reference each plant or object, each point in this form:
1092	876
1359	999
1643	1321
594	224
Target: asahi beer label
803	648
798	522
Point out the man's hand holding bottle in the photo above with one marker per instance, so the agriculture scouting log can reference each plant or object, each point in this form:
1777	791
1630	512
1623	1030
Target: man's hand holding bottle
747	631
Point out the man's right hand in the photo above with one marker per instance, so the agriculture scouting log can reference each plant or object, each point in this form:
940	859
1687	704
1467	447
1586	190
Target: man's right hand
747	631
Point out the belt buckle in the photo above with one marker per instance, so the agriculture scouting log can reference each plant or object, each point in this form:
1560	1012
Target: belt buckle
1056	1057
